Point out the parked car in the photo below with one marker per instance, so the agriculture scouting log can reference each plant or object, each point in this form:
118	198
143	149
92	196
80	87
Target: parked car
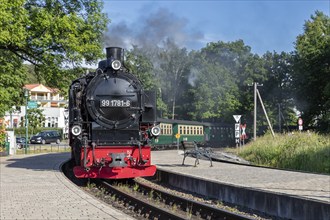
46	137
20	142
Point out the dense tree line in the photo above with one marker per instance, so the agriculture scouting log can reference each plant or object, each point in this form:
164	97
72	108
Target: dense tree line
214	83
211	84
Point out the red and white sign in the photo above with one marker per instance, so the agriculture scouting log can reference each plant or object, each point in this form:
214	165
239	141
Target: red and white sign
300	124
243	131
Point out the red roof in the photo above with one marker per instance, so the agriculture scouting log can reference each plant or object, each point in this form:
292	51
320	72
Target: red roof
32	86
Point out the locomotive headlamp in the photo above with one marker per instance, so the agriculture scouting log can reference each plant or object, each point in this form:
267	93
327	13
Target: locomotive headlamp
116	64
155	131
76	130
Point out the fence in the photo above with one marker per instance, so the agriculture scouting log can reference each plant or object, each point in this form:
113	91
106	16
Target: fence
44	148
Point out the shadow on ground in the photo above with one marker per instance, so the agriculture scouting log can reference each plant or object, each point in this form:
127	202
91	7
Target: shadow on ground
50	161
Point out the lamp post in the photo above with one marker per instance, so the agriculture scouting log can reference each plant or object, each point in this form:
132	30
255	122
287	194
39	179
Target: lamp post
26	95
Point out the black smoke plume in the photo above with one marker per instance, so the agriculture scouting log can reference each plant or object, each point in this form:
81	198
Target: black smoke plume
152	30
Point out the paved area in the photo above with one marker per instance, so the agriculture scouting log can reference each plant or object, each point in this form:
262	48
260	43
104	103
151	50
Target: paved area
299	184
32	187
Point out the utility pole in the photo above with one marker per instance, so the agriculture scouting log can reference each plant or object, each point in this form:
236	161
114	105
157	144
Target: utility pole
173	108
255	84
161	98
263	108
279	118
255	112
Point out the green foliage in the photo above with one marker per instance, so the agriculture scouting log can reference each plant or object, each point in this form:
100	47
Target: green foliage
140	62
141	66
311	78
172	73
2	136
222	72
36	117
276	91
300	151
13	23
212	84
50	35
12	80
215	93
32	77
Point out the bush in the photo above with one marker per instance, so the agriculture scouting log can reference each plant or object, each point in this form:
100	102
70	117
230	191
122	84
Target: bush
301	151
2	138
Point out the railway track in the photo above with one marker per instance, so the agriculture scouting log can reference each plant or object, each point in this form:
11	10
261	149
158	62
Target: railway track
145	199
153	203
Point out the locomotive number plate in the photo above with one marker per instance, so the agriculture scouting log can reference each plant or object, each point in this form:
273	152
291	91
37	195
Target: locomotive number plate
115	103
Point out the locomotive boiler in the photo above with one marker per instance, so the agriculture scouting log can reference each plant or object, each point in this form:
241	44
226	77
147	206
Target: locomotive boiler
111	122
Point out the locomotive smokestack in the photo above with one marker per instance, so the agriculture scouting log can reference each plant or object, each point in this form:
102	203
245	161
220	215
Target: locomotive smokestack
113	54
116	53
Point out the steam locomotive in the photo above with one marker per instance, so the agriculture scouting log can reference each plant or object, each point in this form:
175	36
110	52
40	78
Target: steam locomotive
111	122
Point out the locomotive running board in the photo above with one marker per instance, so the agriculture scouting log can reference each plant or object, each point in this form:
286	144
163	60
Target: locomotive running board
114	173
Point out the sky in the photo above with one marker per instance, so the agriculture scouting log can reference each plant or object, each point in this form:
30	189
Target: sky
264	25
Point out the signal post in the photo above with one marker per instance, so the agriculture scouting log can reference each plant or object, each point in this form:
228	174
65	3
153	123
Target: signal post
237	129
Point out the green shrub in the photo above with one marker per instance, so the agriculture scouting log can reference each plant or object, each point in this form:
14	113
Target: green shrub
2	137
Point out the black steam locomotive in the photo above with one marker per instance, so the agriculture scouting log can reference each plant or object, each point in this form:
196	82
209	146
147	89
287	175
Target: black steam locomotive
111	122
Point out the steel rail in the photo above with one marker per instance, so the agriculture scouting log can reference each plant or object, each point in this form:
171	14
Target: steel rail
140	206
150	211
196	208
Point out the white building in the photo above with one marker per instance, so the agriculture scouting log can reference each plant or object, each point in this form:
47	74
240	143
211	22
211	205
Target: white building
47	99
45	96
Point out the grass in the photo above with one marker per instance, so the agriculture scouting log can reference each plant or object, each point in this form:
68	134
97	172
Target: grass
306	151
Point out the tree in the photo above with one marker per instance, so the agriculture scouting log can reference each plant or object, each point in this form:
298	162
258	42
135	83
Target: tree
223	72
12	80
36	119
141	67
173	71
51	35
215	95
277	89
140	62
311	78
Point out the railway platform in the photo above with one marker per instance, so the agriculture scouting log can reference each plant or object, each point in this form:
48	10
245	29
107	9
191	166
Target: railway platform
287	194
32	187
